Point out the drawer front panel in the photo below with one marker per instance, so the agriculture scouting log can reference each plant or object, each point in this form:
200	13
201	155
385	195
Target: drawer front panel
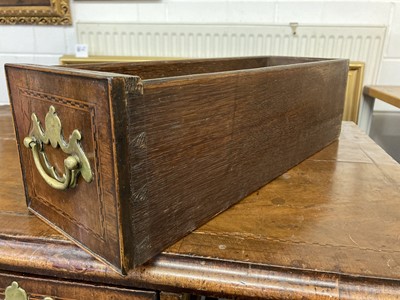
62	104
39	289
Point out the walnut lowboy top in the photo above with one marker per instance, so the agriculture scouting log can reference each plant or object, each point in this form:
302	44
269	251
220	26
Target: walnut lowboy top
326	229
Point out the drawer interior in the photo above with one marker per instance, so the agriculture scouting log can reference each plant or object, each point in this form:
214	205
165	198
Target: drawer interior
161	69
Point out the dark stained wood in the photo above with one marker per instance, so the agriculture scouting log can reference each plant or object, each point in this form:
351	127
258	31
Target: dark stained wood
170	153
173	296
169	68
88	213
219	147
327	229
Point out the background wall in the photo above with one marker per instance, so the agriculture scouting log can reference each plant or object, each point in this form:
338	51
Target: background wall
45	44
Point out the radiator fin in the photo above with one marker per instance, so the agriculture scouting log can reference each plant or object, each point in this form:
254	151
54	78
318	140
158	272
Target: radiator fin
358	43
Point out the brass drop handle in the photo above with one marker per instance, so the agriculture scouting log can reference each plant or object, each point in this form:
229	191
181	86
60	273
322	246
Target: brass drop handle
76	163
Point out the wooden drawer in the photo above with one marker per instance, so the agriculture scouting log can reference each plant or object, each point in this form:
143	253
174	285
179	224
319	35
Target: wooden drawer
159	148
40	288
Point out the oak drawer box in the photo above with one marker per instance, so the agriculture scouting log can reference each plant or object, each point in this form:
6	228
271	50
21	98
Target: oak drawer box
126	158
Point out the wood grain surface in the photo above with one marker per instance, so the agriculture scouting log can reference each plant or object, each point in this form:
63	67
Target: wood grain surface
171	143
326	229
87	213
386	93
211	139
160	69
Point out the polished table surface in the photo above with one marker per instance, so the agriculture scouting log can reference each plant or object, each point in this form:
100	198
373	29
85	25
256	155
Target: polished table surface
387	93
326	229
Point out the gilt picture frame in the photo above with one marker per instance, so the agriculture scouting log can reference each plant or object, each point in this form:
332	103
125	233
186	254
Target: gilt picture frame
355	81
40	12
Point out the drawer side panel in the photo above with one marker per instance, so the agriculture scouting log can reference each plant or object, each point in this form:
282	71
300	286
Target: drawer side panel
212	139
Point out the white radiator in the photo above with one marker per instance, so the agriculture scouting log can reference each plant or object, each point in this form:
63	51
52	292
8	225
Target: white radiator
358	43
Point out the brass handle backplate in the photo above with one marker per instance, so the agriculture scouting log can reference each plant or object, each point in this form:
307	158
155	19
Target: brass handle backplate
76	163
14	292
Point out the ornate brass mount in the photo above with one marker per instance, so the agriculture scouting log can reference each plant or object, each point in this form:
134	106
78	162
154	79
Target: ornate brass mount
14	292
74	164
